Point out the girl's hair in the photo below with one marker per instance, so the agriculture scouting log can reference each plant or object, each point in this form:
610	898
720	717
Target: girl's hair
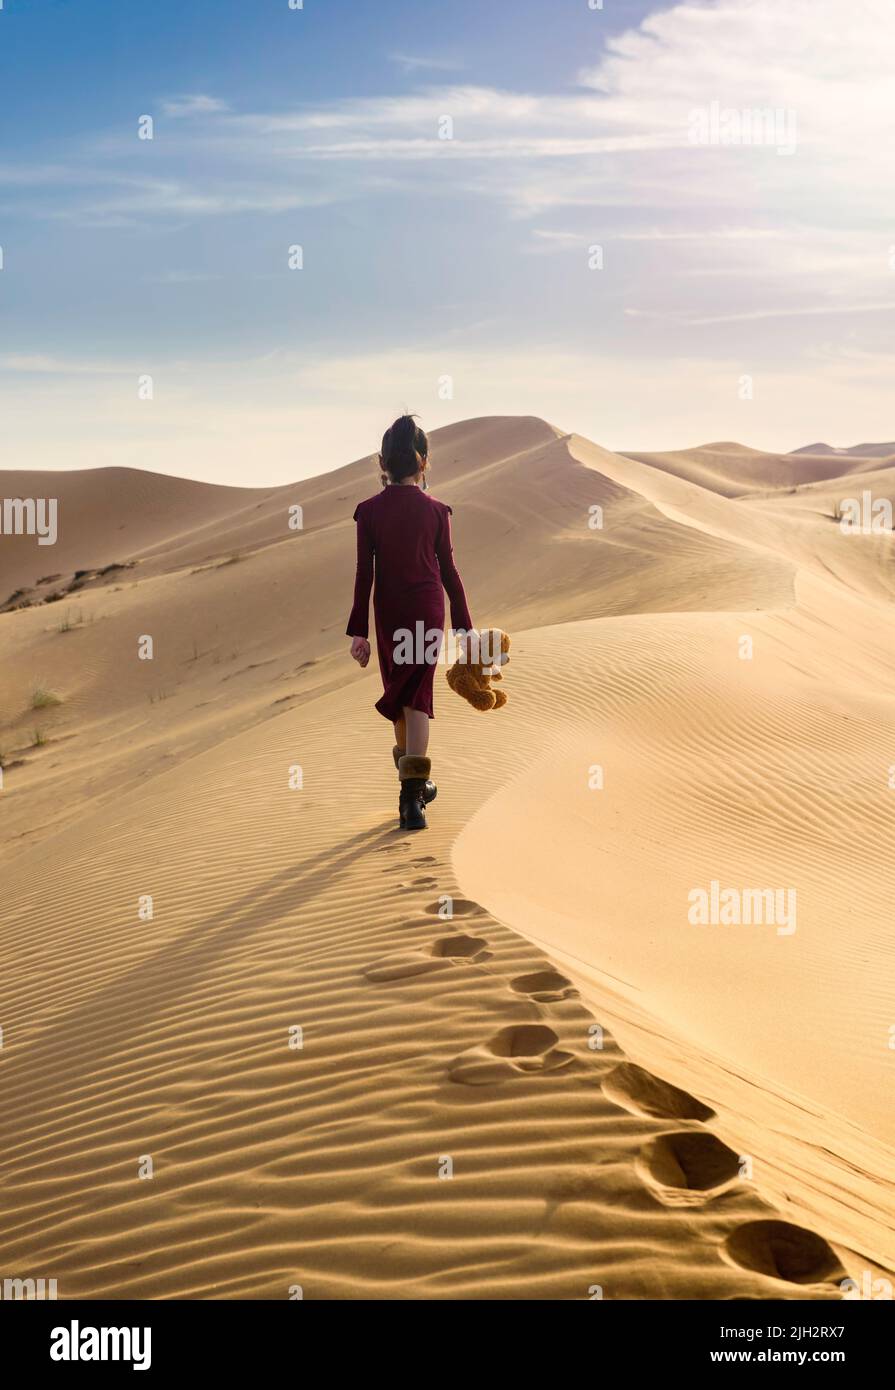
405	450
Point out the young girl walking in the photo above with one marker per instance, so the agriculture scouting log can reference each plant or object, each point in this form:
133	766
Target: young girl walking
404	535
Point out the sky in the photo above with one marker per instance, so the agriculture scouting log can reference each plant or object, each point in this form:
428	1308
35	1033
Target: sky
512	207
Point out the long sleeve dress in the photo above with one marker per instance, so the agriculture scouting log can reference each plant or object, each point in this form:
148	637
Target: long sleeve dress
404	535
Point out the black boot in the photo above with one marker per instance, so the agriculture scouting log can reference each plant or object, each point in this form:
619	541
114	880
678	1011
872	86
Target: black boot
431	790
413	772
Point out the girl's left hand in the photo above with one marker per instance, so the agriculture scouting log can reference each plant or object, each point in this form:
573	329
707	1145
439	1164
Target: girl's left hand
360	650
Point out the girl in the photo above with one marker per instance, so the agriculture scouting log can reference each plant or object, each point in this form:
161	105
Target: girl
407	536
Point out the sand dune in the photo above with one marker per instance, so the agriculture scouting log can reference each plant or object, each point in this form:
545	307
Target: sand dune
522	1073
732	470
716	769
859	451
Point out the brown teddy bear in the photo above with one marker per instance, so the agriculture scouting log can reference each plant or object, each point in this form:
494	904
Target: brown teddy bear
471	675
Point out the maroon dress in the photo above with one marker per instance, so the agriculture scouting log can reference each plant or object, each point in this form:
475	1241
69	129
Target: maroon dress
406	534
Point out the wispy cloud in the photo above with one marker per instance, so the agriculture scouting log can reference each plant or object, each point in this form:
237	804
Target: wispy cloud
184	277
803	311
770	311
622	138
547	240
122	201
197	105
41	364
411	63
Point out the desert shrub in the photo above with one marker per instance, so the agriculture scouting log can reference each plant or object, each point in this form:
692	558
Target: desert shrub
44	698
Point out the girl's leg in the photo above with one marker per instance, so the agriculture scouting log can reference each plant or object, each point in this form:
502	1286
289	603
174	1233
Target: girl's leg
400	733
416	723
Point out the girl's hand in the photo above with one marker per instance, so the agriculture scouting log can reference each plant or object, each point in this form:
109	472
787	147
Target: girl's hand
360	650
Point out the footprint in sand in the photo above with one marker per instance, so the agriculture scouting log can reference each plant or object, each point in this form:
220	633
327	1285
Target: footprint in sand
426	859
400	965
515	1051
460	907
544	986
783	1251
688	1168
635	1089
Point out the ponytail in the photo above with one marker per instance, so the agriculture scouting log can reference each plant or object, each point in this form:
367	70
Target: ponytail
405	450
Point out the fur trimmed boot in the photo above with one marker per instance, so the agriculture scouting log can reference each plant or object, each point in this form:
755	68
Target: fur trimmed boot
431	790
413	772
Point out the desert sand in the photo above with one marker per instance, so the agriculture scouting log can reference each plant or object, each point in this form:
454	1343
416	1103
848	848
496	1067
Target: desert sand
494	1060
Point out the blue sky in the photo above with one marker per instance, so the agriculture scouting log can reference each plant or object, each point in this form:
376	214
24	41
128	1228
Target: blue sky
744	291
91	56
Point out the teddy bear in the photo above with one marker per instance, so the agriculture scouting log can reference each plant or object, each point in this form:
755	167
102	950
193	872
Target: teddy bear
481	653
